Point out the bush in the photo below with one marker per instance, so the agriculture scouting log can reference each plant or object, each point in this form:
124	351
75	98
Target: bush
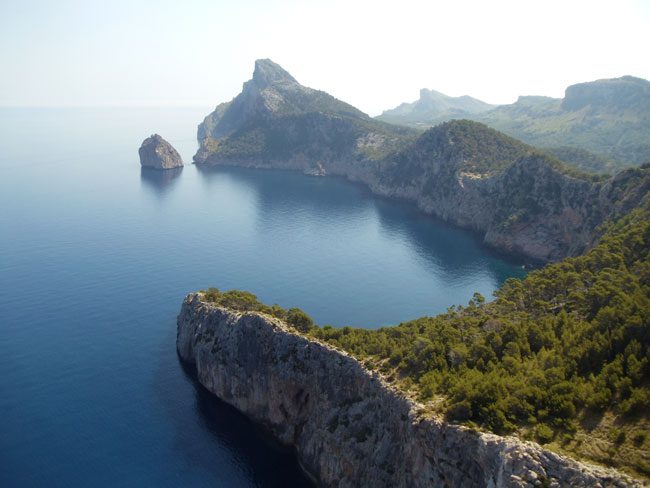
299	319
543	433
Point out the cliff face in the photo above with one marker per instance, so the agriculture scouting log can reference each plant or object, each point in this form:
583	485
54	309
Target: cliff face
348	427
530	208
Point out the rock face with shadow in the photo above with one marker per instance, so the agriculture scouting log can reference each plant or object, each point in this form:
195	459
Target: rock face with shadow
349	428
156	153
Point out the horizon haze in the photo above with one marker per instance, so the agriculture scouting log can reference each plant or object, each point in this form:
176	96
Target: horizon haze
369	54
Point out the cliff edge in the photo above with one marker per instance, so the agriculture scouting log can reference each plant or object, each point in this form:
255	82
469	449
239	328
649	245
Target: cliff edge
349	428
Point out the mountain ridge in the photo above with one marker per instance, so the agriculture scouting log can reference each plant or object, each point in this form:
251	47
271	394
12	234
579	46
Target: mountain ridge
609	118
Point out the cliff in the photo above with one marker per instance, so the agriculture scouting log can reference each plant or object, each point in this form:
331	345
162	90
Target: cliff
520	200
348	427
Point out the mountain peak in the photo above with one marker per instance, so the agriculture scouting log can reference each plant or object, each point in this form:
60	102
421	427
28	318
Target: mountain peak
269	73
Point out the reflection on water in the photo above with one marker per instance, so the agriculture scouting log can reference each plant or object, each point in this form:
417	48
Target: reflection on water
161	181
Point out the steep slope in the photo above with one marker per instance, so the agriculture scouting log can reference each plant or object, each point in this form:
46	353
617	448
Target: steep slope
434	107
609	118
276	121
522	201
349	427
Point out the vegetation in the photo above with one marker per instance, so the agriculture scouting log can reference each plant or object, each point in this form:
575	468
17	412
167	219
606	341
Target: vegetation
585	160
602	126
463	146
569	342
244	301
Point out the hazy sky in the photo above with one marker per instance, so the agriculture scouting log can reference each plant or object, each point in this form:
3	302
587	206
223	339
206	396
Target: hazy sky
373	54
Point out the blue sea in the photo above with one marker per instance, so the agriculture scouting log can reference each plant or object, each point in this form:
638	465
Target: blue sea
96	256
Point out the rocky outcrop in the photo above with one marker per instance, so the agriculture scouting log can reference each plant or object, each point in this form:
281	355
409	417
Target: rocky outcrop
156	153
349	428
531	208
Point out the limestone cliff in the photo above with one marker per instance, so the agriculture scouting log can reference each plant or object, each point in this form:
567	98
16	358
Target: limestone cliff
348	427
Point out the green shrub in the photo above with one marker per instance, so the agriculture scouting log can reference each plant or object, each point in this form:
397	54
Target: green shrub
543	433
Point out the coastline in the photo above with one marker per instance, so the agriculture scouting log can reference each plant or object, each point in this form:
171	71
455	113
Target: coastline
348	426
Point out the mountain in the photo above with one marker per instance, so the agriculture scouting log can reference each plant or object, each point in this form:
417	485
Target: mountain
602	125
518	199
277	121
434	107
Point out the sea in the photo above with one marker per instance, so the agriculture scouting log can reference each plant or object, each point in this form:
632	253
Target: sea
97	254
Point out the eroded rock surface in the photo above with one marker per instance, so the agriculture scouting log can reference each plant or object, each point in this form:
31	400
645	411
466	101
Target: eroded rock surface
349	428
155	152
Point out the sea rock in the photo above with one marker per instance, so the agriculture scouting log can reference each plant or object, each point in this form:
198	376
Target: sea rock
155	152
349	427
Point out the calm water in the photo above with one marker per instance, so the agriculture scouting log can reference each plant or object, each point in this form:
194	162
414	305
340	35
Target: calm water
96	256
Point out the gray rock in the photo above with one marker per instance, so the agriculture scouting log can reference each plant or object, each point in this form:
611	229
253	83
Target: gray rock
348	427
155	152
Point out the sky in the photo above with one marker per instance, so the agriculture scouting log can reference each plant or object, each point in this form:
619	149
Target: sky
373	54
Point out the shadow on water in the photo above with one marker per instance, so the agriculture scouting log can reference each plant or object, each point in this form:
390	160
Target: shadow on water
160	181
217	439
449	248
457	253
282	189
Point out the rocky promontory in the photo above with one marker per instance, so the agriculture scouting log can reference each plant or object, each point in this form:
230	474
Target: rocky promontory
518	199
349	427
156	153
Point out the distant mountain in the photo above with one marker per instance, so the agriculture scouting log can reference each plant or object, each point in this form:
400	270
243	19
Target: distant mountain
608	118
275	120
434	107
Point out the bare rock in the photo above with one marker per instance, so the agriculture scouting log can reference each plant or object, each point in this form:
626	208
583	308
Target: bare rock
155	152
350	428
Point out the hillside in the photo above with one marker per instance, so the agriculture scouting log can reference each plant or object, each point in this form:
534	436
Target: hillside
601	126
520	200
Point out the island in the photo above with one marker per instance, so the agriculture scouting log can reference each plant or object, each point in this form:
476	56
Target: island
156	153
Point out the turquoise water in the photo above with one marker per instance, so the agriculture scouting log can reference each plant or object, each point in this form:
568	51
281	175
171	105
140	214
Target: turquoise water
96	256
